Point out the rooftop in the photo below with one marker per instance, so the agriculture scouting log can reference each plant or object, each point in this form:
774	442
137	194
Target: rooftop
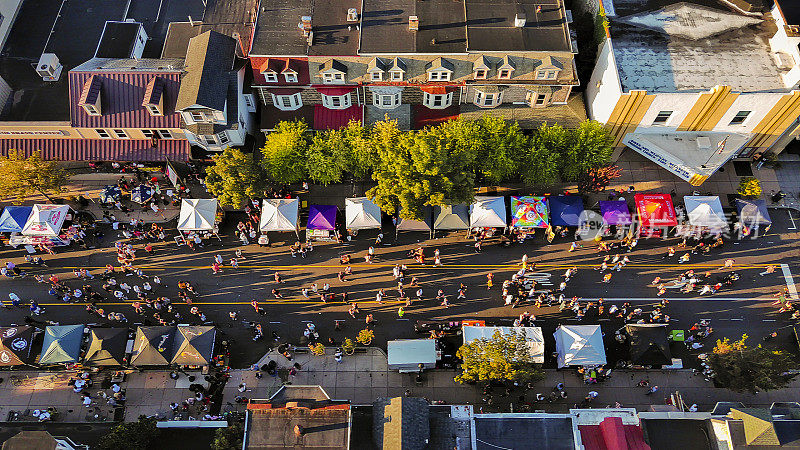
692	46
234	18
790	9
118	40
551	431
156	15
490	25
664	434
442	26
209	60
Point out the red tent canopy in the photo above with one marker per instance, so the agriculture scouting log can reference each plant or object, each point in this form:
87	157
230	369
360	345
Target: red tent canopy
655	210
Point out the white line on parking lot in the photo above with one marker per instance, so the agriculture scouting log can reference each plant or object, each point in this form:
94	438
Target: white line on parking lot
787	274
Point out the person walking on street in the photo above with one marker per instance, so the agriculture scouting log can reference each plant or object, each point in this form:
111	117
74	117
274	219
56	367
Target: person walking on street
770	269
489	280
728	264
652	390
607	278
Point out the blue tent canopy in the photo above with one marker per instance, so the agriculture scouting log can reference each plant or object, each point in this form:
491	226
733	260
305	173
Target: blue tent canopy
13	218
565	210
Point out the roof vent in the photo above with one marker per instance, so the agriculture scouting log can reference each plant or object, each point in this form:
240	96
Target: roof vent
305	25
413	23
352	15
519	20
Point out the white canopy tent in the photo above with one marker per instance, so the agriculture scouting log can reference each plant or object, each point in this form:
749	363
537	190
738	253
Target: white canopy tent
534	339
705	211
579	345
280	214
198	214
360	213
488	212
45	220
406	355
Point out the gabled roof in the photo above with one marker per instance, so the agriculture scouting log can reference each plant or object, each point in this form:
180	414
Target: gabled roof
440	63
401	423
333	65
209	59
758	427
508	63
376	64
398	65
273	65
481	63
548	62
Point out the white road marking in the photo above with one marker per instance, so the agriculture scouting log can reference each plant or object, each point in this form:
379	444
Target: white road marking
676	299
542	278
794	225
787	274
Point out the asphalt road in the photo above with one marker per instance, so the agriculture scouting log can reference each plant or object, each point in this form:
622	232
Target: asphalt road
743	308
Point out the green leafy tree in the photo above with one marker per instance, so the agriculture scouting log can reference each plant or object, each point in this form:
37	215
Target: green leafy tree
139	435
749	187
502	146
228	438
430	167
235	177
741	368
328	157
285	152
588	146
21	176
363	155
503	357
541	160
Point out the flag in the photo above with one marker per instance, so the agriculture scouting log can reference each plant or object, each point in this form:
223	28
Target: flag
721	145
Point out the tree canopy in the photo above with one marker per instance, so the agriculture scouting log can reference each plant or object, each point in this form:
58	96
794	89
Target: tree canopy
235	177
503	357
285	152
741	368
228	438
139	435
21	176
587	147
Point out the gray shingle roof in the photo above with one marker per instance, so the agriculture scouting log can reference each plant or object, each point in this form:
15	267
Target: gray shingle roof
209	59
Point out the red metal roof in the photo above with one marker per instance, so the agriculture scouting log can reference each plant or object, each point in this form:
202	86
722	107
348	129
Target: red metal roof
139	150
121	97
611	434
437	89
279	65
334	119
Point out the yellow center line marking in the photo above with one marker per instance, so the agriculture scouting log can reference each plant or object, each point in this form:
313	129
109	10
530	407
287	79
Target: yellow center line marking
445	266
260	303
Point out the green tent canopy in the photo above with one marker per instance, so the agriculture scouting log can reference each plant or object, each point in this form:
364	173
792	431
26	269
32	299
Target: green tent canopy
62	344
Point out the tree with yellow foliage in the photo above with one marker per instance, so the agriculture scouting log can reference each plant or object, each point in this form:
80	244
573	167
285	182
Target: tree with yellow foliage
741	368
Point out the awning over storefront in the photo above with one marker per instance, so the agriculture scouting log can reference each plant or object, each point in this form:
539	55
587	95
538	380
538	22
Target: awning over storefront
153	346
321	217
529	212
197	214
655	210
705	211
194	345
136	150
534	339
451	217
691	155
15	345
106	347
579	345
280	214
615	212
62	344
13	218
360	213
488	212
565	210
753	213
45	220
334	119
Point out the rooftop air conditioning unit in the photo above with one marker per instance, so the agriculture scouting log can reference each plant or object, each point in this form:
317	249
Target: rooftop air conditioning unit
48	67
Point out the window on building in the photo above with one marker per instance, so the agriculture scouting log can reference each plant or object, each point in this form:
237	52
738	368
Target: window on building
223	138
739	118
209	139
250	102
481	74
91	110
546	75
336	101
386	101
396	75
534	99
149	133
437	101
504	74
198	116
551	74
487	100
290	77
164	134
662	117
376	76
153	110
271	77
103	134
287	102
439	75
331	78
540	99
121	134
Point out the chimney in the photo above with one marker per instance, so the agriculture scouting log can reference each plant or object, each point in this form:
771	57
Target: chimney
519	20
413	23
352	15
298	431
305	25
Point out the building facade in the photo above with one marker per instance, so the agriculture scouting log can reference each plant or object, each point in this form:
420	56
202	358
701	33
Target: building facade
691	87
329	62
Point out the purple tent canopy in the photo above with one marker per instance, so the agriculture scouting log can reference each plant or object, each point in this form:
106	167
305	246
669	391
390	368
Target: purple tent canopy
615	212
321	217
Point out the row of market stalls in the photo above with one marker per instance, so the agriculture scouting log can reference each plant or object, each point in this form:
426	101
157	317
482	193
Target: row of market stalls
150	346
37	224
575	346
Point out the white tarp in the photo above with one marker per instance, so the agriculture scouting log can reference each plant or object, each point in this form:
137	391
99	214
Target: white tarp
408	354
45	220
360	213
488	212
534	339
705	211
197	214
579	345
279	214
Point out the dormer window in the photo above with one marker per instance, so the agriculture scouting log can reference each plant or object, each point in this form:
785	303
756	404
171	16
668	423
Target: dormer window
153	110
90	96
270	77
549	69
504	74
481	74
376	76
331	78
153	100
375	69
91	110
440	69
396	75
332	72
506	68
480	68
290	77
546	75
397	71
439	76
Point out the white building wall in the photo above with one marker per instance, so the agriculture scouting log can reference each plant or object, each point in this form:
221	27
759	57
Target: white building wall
604	88
679	104
759	104
244	113
9	10
781	42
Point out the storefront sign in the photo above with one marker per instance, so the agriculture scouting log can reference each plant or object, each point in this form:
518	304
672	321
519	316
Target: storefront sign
660	157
